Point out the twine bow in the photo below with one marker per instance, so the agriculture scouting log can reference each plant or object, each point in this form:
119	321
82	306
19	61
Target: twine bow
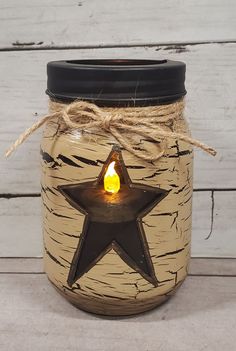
149	122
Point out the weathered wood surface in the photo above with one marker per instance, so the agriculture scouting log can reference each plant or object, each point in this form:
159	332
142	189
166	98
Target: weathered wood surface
221	215
213	266
210	107
34	317
26	265
198	266
21	226
54	23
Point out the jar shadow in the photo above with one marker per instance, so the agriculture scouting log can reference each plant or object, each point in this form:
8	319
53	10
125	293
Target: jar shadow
197	294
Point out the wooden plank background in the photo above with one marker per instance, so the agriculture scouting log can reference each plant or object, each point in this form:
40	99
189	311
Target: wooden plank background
201	33
60	23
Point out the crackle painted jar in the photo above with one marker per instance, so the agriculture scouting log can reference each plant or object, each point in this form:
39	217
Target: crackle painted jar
117	226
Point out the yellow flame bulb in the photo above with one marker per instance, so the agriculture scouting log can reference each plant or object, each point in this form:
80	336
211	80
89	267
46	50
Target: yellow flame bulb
111	179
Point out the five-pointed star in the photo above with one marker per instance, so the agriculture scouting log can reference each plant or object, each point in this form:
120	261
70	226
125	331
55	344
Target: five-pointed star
112	221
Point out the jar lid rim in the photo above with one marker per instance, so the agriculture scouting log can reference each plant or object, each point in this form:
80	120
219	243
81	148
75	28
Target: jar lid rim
116	81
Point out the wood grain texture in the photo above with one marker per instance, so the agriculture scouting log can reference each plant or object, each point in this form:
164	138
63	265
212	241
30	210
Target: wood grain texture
201	314
17	240
20	227
26	265
222	225
31	23
213	266
210	108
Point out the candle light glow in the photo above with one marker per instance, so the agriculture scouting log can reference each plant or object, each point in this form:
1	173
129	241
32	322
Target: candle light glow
111	179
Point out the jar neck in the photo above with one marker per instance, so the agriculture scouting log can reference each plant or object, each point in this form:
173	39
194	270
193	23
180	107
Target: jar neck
119	103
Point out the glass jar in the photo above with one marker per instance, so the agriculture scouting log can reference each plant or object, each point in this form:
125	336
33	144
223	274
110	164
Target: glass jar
109	251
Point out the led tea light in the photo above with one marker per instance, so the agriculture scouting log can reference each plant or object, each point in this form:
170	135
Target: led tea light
111	179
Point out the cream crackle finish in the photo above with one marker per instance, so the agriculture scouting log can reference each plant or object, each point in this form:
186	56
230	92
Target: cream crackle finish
111	286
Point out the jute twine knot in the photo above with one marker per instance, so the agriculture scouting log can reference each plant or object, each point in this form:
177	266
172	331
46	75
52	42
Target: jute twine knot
122	123
108	120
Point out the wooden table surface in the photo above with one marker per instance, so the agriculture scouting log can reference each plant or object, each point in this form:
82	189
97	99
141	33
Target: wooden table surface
201	316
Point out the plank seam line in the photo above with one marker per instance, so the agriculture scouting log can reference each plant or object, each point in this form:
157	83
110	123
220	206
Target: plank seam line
12	196
21	258
214	189
10	273
211	275
212	258
33	47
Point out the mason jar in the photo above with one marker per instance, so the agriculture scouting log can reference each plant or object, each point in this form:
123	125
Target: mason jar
117	225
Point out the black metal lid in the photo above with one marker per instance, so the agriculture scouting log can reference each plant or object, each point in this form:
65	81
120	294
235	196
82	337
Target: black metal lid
116	82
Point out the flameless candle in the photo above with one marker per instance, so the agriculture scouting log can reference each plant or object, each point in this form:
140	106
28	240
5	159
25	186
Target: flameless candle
111	179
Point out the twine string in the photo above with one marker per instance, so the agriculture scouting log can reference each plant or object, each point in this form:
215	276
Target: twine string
122	123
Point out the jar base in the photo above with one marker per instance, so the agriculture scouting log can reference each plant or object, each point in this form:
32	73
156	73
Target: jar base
123	308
